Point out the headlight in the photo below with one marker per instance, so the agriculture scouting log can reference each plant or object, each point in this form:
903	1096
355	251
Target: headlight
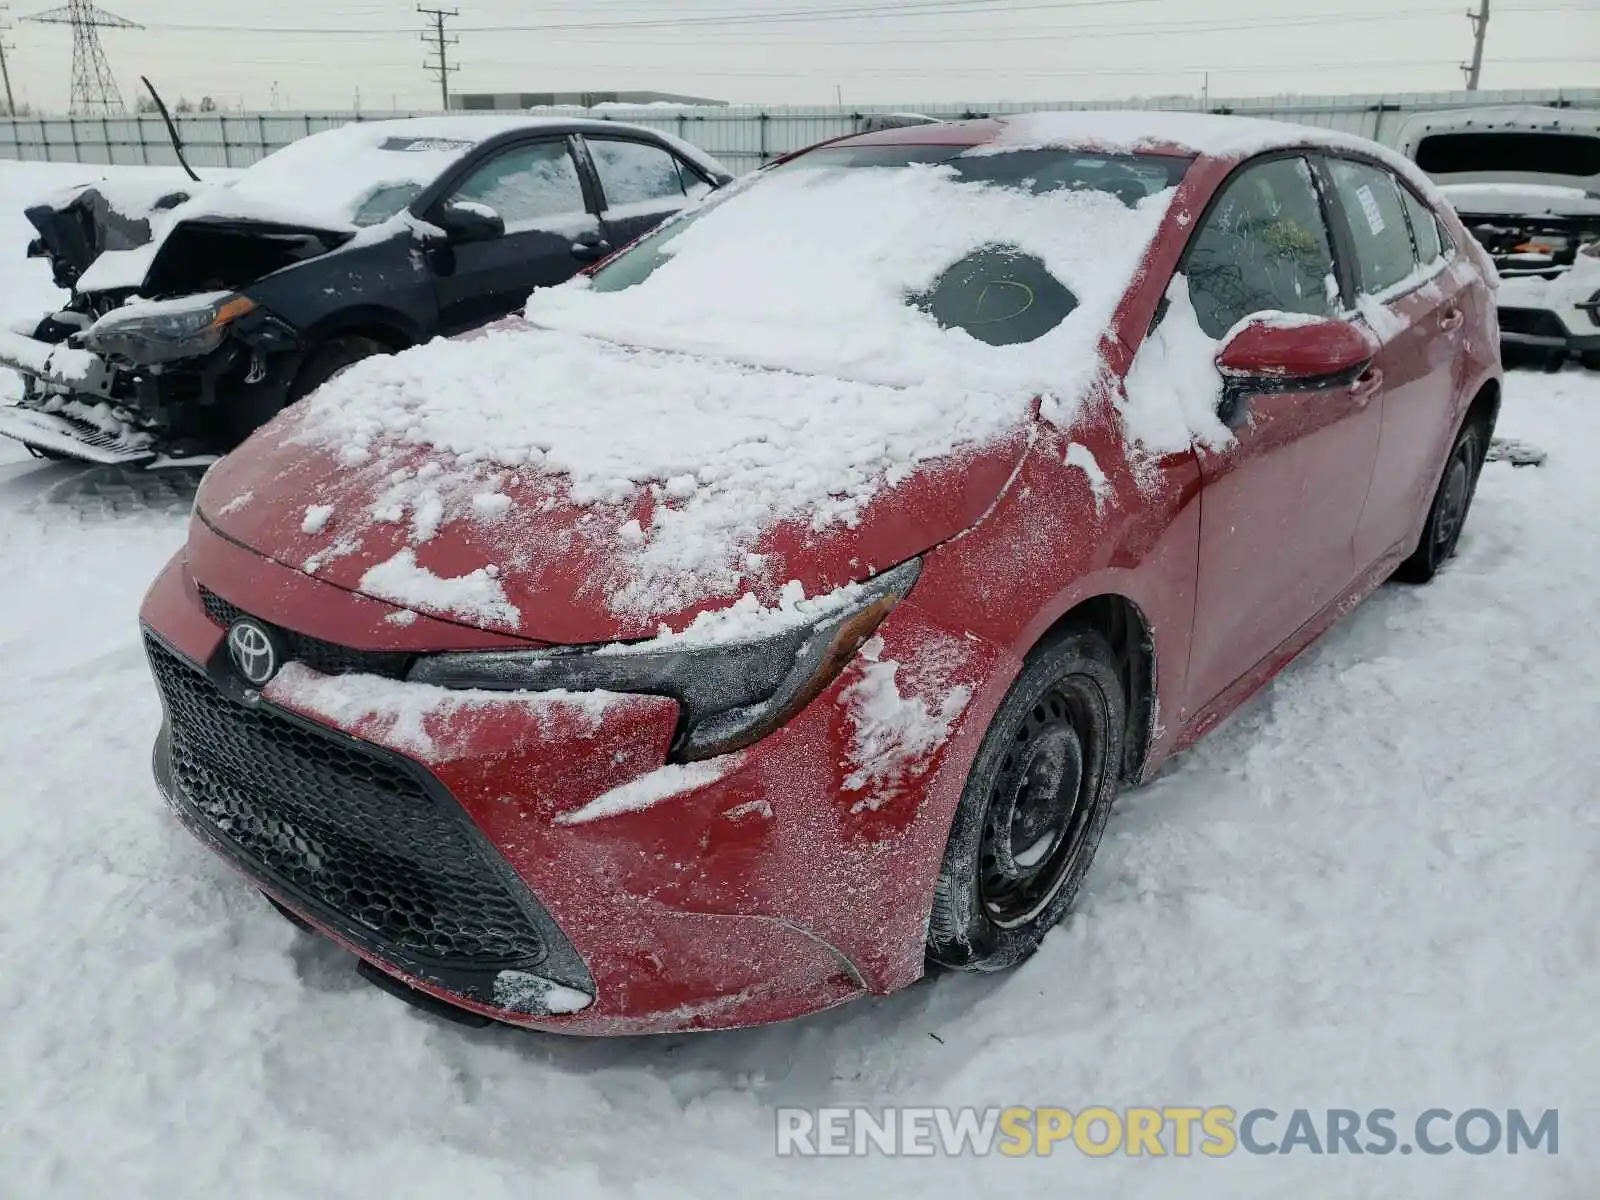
167	330
732	694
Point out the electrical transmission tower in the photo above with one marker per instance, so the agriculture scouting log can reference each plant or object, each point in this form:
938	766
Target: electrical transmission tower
94	87
440	62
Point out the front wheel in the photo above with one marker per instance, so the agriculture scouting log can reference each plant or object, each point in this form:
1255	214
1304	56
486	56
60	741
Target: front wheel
1448	512
1033	810
332	359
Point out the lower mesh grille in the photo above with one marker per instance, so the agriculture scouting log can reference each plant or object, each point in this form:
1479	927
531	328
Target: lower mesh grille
326	658
354	834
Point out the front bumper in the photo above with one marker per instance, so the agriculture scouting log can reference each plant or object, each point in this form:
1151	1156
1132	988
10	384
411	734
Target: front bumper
57	367
771	892
1556	314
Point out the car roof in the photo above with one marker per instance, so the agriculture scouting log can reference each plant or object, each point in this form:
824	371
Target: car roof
1143	131
479	128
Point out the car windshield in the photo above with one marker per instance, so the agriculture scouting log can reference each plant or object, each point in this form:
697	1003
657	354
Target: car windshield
901	265
385	201
1128	177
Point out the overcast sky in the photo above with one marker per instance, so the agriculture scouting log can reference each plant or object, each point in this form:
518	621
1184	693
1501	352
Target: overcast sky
320	53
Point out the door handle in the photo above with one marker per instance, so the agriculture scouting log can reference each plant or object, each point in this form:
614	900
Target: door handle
1451	321
1366	386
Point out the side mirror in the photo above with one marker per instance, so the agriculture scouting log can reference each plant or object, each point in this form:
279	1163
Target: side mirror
469	221
1271	349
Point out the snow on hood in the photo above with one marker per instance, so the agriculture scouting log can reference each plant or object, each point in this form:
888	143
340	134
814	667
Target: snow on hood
766	407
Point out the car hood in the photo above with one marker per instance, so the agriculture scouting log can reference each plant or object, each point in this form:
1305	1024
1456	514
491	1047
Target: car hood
562	554
1521	200
83	223
207	254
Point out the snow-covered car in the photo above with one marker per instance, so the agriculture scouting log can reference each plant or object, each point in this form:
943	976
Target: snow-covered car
191	323
782	606
1526	181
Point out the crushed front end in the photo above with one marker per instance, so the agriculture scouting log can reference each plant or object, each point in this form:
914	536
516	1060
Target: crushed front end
115	377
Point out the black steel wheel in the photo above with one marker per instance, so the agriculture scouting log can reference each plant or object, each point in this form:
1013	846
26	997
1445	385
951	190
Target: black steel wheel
1448	512
1033	810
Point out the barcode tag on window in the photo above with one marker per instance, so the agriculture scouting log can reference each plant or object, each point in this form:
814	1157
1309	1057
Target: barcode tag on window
1369	205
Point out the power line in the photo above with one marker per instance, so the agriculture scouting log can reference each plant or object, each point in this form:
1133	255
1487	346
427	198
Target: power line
440	63
1064	72
736	18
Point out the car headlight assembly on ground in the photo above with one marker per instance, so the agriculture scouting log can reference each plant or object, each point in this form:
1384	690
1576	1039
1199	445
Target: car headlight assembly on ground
169	331
732	695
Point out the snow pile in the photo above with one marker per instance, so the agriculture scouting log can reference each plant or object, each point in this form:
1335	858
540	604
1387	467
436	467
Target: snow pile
652	788
398	713
317	518
402	580
521	991
1080	456
894	734
746	620
43	358
1173	387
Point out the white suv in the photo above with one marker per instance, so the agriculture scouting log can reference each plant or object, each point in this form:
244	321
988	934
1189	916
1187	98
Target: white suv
1526	181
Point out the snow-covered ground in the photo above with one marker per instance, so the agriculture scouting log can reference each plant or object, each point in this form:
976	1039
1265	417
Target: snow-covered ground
1376	887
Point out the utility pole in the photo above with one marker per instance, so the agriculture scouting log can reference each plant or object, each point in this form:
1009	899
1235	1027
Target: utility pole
440	63
5	67
1480	26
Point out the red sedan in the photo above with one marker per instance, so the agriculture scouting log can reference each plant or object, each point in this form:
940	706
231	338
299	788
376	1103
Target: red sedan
782	608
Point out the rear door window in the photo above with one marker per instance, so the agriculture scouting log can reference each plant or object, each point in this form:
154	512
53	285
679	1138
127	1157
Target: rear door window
635	173
1424	227
1376	215
1264	246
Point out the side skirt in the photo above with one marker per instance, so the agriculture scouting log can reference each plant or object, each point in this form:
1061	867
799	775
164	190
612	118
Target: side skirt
1258	676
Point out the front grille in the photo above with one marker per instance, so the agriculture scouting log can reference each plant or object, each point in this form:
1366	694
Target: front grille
353	834
1531	320
323	657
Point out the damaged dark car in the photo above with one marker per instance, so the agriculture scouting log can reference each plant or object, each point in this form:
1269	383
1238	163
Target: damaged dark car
199	311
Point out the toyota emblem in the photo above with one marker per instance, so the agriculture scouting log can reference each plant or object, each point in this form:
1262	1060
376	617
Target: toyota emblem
254	652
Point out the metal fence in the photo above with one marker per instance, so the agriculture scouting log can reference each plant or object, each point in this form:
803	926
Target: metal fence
742	137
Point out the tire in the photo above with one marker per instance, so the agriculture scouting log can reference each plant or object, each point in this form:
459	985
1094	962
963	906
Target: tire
332	358
1590	359
1048	768
1451	503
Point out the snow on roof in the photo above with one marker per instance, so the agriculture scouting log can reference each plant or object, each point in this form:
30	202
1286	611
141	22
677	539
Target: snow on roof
324	179
329	175
1216	135
1137	129
772	368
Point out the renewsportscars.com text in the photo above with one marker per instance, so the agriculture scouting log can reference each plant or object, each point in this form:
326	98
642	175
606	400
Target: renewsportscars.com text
1180	1131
